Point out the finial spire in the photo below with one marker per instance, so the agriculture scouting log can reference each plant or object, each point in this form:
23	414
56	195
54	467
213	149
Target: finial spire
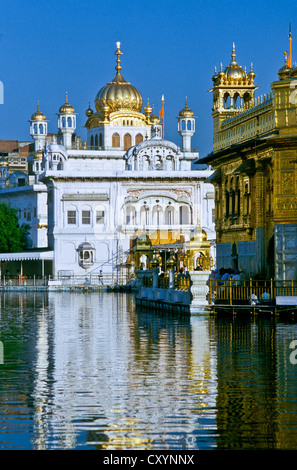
118	53
233	51
66	97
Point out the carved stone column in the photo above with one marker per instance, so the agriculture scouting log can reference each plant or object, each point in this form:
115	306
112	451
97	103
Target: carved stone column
199	291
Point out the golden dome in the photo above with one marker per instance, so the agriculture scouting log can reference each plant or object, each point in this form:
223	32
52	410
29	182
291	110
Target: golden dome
38	115
38	155
186	112
89	111
234	71
118	94
155	119
66	108
148	109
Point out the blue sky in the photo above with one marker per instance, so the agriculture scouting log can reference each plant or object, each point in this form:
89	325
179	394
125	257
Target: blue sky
169	47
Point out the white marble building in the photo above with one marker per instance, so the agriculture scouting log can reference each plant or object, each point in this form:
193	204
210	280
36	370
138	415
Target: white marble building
94	202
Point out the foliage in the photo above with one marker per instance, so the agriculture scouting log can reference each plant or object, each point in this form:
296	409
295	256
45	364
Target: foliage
13	237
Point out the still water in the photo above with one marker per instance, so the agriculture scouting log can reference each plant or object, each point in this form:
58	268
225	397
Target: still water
89	371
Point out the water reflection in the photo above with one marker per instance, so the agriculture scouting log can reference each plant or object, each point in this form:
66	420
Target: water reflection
90	372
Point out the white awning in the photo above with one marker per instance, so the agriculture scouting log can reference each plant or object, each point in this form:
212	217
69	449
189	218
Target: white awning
27	256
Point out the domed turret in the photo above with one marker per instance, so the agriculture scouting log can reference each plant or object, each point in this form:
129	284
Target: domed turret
186	111
186	126
38	115
234	71
38	128
66	108
118	94
67	123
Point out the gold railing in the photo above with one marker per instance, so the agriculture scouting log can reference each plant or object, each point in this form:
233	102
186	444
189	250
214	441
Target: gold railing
250	291
181	282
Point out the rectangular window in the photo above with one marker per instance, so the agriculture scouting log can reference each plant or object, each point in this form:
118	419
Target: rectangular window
86	217
99	217
71	217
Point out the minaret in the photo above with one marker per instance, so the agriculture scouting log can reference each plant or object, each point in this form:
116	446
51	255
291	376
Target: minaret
67	123
186	127
38	129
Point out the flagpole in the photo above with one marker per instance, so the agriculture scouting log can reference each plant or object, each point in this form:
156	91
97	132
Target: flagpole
163	113
290	49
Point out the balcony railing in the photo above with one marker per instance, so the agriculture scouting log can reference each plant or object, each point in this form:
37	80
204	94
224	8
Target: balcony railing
249	292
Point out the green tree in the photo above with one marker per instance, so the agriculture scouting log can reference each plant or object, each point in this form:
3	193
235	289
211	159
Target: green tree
13	237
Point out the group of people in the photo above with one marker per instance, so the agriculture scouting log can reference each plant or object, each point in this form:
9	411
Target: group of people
222	275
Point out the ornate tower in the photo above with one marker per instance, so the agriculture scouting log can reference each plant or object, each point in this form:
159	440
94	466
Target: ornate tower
67	123
233	92
186	127
38	129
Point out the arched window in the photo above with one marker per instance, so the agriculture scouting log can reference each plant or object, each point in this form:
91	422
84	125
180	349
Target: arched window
69	121
227	101
158	163
86	255
170	164
144	215
41	128
63	122
138	139
92	142
145	162
183	215
96	142
169	215
127	141
116	140
130	215
247	100
183	125
157	215
189	125
236	101
35	128
100	140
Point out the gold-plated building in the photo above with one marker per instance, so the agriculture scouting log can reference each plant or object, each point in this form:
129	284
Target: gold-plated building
255	171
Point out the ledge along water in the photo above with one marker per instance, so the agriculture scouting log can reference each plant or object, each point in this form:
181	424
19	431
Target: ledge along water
191	293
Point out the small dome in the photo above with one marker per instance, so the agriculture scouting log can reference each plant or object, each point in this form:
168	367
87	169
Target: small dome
38	155
38	115
285	71
143	239
66	108
89	111
154	118
86	246
148	109
186	112
234	71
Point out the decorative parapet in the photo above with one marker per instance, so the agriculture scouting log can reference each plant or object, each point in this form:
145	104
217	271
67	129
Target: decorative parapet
248	124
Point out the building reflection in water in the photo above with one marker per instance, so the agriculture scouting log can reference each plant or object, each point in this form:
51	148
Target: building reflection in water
125	379
89	371
256	395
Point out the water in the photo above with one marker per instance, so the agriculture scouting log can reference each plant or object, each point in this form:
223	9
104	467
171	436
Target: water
89	371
